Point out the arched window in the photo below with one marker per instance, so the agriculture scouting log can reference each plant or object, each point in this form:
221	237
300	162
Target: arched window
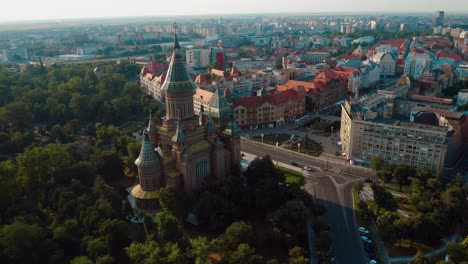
202	168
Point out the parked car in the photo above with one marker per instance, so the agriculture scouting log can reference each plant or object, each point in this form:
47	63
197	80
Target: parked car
295	164
368	180
366	239
373	261
363	230
307	168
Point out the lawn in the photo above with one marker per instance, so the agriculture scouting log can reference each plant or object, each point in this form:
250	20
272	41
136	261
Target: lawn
292	176
271	139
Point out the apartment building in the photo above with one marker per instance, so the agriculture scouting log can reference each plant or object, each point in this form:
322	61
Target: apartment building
430	137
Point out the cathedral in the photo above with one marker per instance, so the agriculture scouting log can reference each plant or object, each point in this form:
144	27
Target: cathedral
185	150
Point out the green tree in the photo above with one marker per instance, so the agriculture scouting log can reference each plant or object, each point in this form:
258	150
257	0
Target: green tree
383	198
81	260
288	217
168	227
68	236
200	248
377	163
402	174
108	164
16	115
176	203
237	233
297	256
457	253
244	254
96	247
57	133
385	224
385	175
142	253
8	187
454	201
39	166
24	243
116	235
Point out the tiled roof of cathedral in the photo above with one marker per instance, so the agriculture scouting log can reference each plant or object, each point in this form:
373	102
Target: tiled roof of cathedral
177	79
147	157
218	101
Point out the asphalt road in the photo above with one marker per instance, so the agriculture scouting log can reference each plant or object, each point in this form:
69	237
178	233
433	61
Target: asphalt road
331	185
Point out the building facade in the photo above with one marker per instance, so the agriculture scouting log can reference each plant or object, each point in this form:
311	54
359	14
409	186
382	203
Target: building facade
269	110
386	62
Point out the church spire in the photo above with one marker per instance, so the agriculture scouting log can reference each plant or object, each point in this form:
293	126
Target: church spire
176	41
147	157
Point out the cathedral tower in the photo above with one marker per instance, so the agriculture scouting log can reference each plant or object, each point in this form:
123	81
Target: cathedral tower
179	89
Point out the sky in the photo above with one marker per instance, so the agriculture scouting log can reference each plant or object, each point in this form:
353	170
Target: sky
14	10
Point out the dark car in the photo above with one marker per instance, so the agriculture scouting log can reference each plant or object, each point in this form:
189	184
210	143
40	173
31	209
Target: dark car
295	164
368	180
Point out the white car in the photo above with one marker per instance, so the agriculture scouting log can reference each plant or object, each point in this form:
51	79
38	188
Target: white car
362	230
366	239
307	168
372	261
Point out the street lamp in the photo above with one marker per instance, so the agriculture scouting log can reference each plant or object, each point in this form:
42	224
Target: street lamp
298	147
262	137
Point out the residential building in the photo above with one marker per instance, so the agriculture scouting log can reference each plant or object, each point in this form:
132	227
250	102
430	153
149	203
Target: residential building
386	62
314	57
327	88
426	136
267	110
196	58
418	62
250	64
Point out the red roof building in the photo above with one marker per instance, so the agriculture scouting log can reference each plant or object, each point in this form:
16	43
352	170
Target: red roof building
269	109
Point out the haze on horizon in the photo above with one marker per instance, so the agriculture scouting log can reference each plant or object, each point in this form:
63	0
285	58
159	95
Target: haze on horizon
66	9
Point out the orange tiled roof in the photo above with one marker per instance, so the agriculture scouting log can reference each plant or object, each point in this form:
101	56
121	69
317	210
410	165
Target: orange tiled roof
216	72
291	84
277	98
203	94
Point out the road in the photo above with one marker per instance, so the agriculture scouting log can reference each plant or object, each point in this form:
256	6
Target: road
331	185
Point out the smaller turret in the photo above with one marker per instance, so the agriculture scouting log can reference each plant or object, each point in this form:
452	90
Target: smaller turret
179	138
152	131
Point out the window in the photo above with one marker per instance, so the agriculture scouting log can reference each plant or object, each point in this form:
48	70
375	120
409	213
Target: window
202	168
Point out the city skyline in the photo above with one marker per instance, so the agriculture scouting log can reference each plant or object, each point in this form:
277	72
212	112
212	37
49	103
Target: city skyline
53	9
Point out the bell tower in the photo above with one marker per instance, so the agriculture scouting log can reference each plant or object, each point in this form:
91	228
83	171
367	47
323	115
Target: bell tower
179	89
